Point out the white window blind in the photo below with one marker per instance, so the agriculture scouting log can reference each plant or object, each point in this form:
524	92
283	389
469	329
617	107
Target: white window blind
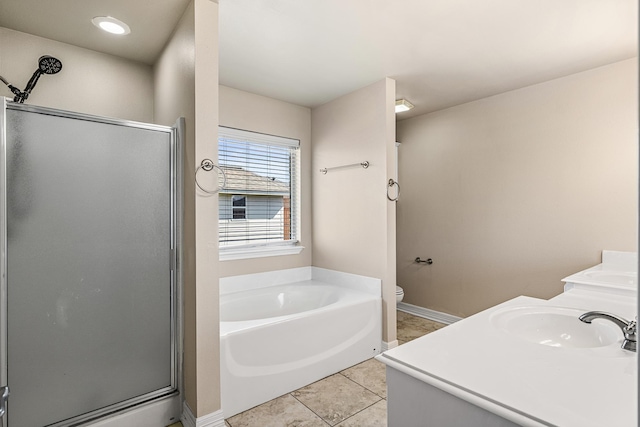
259	203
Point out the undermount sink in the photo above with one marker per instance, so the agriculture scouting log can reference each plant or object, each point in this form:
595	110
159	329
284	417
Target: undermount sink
556	327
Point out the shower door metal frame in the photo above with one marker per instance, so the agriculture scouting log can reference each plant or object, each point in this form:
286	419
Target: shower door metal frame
176	136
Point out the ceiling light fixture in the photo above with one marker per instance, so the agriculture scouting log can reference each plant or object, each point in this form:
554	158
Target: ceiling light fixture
403	105
111	25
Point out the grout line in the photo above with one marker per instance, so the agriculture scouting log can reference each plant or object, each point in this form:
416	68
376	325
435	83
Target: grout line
380	398
312	411
363	409
371	391
361	385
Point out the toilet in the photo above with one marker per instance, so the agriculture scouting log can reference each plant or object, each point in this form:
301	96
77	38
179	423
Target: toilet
399	294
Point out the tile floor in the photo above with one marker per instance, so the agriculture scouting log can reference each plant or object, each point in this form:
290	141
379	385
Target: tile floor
355	397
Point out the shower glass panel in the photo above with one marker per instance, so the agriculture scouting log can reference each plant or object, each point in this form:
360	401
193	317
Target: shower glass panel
89	323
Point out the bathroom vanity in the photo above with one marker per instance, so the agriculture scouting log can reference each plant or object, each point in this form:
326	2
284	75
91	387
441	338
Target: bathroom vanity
526	362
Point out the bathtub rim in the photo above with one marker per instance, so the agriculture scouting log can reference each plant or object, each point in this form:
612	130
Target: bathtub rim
245	282
348	297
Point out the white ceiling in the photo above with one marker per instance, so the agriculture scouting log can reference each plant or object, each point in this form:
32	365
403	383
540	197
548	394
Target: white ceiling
440	52
69	21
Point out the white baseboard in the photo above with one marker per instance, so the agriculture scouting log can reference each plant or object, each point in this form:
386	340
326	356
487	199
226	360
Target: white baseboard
426	313
389	345
215	419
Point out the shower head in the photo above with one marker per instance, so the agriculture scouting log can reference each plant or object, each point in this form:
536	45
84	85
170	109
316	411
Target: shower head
49	65
46	65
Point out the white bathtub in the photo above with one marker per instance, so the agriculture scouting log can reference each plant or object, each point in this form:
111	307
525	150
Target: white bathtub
282	330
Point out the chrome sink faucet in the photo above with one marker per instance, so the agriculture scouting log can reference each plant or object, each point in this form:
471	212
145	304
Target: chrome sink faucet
629	328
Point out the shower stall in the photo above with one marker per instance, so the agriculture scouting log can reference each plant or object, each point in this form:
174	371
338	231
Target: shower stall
90	287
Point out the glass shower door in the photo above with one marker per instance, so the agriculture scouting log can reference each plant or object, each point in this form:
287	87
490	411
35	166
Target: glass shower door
88	265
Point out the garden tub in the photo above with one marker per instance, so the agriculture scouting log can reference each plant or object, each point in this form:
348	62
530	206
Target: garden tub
280	331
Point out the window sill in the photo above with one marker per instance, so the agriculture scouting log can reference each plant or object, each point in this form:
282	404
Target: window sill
258	252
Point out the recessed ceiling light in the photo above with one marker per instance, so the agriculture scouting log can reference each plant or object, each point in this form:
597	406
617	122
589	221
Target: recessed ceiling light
403	105
111	25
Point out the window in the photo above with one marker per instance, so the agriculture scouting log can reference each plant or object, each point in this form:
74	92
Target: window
259	203
239	206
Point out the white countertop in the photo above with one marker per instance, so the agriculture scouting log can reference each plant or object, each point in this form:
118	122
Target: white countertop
529	383
616	274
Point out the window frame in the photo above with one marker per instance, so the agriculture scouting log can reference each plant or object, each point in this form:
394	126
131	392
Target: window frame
276	247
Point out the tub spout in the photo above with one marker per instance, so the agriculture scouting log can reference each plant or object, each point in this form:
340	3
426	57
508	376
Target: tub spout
629	328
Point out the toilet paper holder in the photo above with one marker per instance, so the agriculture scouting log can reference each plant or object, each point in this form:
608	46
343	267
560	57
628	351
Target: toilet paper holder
424	261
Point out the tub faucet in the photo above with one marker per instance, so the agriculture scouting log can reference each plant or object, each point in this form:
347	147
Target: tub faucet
629	328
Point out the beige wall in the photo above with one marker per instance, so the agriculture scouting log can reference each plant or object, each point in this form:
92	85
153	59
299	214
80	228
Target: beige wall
244	110
512	193
90	82
353	222
186	85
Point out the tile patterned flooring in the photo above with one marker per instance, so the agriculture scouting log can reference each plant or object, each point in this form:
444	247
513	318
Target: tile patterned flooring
355	397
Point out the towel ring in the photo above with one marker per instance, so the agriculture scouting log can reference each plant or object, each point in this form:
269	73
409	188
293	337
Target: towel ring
391	184
207	166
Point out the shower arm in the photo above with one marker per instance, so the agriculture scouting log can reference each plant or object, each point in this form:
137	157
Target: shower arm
30	85
22	96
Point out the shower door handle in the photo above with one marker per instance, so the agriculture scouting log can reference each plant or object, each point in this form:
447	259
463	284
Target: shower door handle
4	396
